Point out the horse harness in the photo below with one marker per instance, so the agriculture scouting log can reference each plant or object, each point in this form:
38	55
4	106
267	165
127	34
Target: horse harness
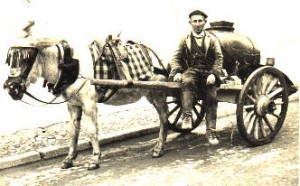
68	69
122	72
116	55
68	73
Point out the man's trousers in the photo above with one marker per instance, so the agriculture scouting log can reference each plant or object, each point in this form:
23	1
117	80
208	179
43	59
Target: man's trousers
193	86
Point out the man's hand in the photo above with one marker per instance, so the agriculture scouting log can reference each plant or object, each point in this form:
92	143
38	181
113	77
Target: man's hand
211	79
177	77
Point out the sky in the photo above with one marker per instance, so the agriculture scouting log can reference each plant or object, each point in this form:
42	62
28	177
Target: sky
272	24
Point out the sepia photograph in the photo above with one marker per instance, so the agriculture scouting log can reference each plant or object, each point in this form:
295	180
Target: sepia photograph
149	92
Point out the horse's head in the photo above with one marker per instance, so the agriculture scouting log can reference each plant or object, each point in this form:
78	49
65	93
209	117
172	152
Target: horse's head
20	61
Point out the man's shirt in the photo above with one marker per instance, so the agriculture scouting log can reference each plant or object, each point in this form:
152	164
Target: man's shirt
199	37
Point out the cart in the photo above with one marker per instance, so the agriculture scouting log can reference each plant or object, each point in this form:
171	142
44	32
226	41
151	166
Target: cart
260	91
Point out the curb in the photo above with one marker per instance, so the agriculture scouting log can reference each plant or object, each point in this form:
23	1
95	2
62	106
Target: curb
60	150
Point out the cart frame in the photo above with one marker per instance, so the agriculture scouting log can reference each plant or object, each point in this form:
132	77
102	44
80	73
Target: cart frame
264	93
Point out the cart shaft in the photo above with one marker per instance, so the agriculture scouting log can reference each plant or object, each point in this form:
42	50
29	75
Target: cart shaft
137	84
226	92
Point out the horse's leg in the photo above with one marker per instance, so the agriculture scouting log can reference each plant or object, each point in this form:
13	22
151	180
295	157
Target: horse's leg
75	115
158	99
90	111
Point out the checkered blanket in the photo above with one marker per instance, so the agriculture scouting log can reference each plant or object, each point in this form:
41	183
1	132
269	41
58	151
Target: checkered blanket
138	64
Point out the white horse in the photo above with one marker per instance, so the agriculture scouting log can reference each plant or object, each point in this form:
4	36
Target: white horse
81	96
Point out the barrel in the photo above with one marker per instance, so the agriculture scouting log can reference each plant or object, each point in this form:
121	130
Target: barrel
237	49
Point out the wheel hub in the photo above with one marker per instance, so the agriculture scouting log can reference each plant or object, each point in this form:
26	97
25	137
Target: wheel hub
264	105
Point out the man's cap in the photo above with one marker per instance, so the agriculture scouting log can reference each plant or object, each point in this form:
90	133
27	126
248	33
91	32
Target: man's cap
198	12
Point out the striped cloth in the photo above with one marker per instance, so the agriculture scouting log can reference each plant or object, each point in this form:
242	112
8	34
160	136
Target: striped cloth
138	64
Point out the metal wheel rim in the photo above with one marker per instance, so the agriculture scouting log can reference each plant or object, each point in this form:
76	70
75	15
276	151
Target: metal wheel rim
254	110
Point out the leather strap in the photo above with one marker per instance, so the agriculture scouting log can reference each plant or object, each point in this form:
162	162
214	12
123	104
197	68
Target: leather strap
123	72
60	61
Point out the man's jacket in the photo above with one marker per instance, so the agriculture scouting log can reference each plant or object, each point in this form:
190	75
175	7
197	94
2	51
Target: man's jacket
213	55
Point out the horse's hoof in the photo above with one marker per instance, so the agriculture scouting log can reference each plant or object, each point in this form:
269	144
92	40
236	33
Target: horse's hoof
66	165
156	154
93	166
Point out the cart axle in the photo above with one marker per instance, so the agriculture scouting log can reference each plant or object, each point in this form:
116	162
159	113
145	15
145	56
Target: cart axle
264	105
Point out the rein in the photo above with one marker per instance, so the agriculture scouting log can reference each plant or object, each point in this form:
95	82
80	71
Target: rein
60	61
51	102
33	97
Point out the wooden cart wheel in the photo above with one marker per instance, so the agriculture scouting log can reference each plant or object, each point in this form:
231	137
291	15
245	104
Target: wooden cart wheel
174	114
262	105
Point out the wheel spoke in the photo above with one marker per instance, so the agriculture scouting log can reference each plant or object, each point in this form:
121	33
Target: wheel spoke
177	117
173	110
261	127
249	107
268	123
169	102
251	98
279	102
199	104
258	83
251	123
256	128
196	111
275	92
278	117
264	88
266	82
271	85
248	117
254	90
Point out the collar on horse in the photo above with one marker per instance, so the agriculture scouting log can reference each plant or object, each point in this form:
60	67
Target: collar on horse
68	69
68	73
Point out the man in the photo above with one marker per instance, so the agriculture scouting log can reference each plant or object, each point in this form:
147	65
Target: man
197	63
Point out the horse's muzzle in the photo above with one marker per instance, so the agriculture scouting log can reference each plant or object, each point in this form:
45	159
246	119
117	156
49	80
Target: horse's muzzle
15	90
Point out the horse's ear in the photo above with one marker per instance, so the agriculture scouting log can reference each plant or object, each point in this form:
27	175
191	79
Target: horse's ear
108	39
119	34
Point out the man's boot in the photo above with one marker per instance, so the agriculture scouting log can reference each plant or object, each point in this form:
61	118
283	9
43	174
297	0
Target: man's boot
211	106
187	101
211	133
211	136
187	121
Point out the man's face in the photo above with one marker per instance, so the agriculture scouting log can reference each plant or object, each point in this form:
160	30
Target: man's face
197	22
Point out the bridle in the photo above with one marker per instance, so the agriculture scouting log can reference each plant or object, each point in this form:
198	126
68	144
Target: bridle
16	88
20	60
